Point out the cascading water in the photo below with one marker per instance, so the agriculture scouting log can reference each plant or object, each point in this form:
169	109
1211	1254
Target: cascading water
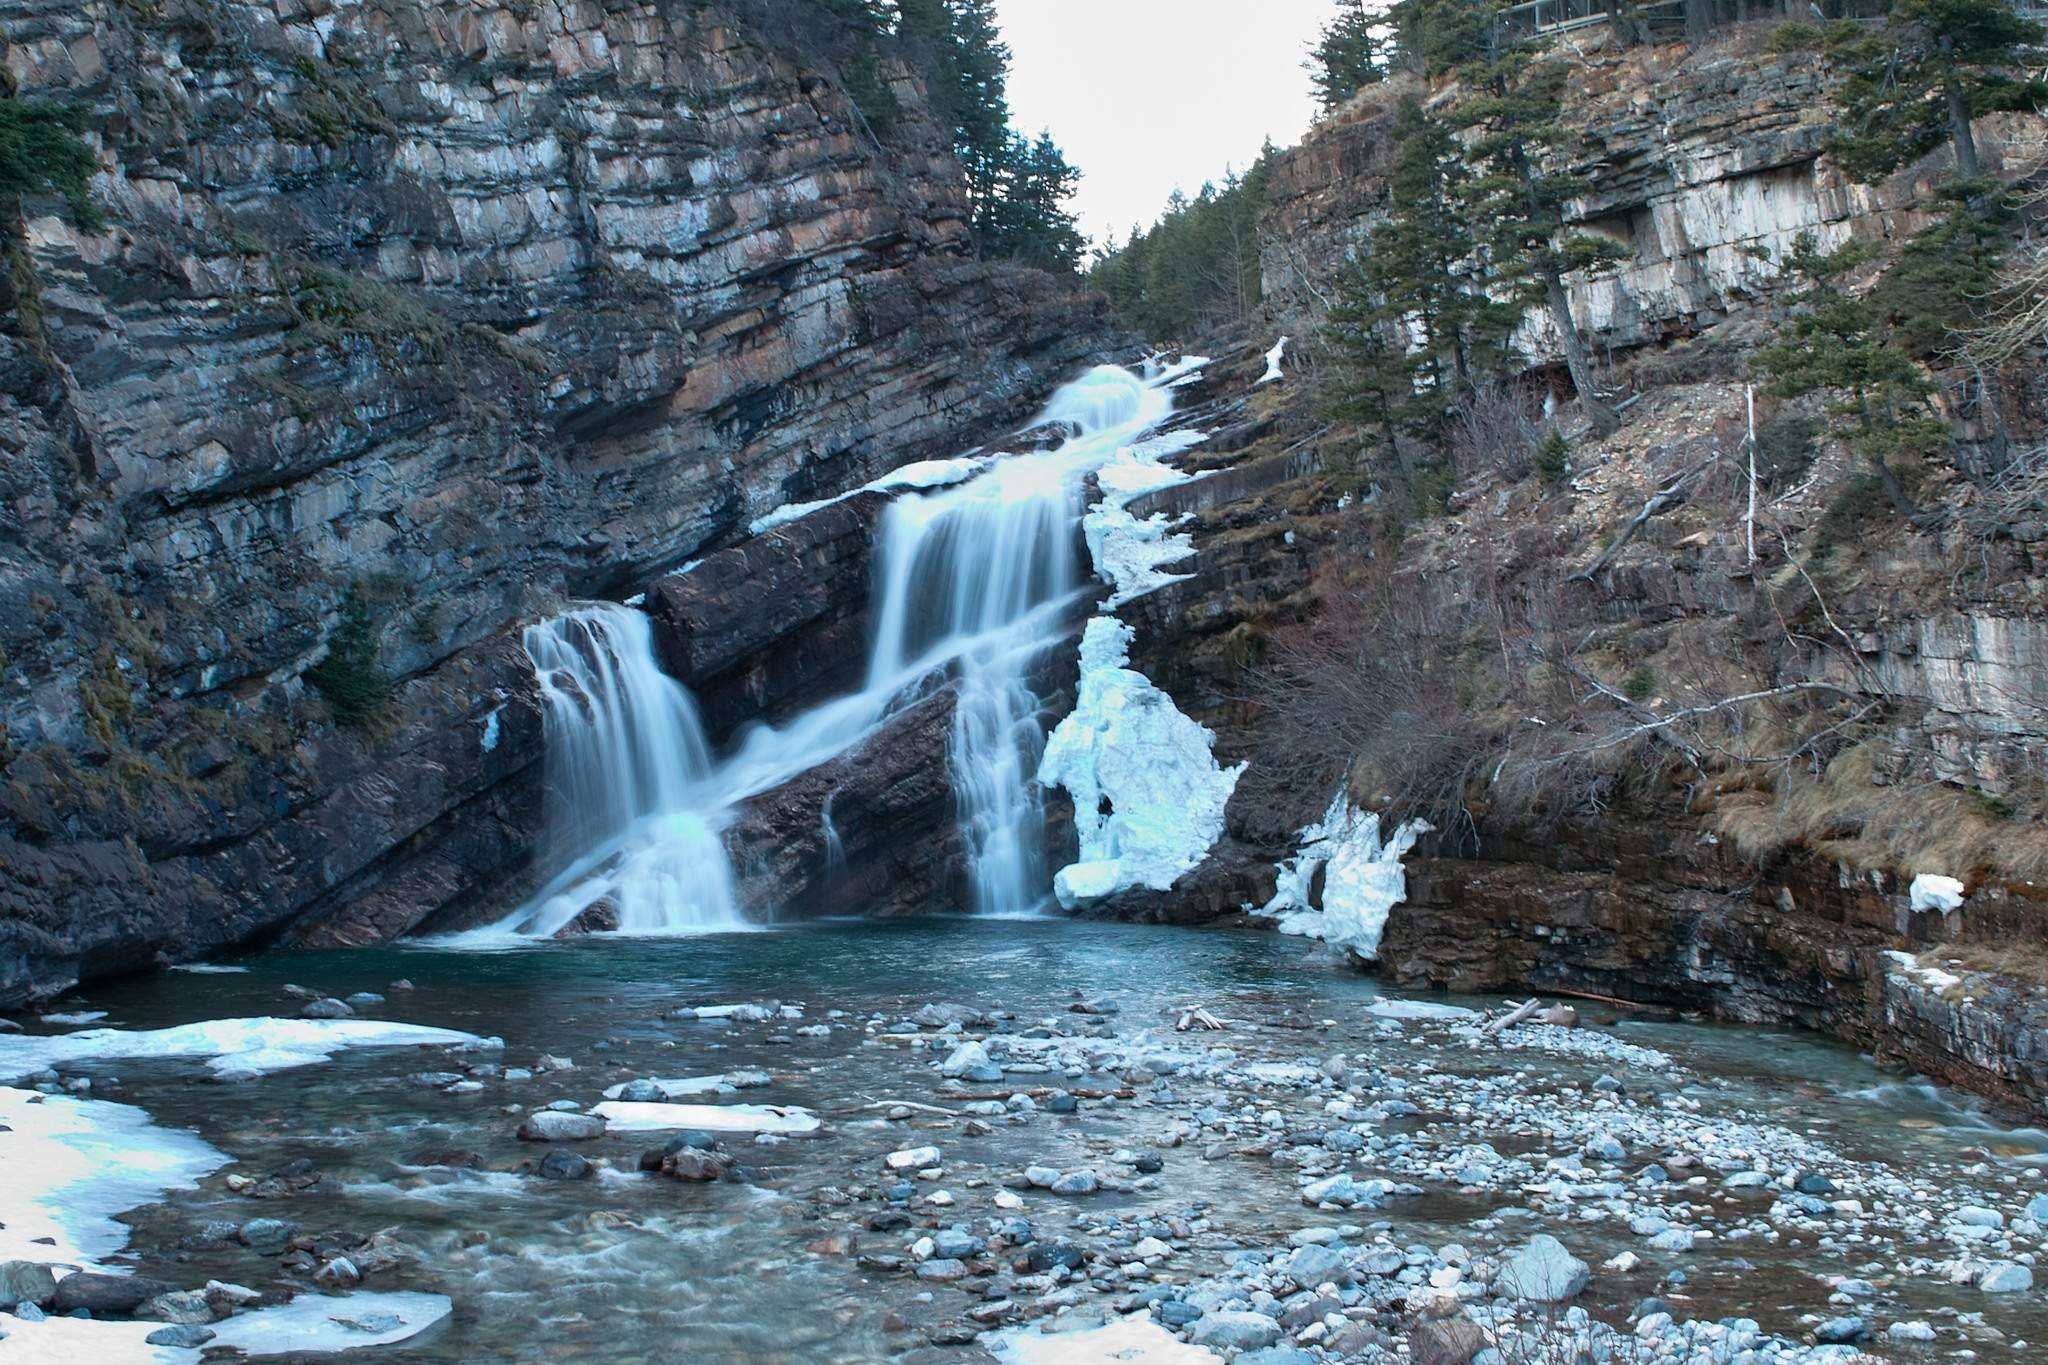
971	580
627	777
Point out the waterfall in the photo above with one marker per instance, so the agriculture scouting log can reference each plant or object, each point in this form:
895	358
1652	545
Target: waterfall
972	580
627	770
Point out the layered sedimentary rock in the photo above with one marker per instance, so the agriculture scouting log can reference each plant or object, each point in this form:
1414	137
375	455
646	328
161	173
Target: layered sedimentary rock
413	320
1705	167
775	622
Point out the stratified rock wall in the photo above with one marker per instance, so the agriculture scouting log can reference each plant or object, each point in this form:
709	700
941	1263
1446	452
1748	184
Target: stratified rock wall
427	316
1705	166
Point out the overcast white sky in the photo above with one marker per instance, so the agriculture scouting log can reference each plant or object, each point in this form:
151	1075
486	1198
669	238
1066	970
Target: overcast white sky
1145	95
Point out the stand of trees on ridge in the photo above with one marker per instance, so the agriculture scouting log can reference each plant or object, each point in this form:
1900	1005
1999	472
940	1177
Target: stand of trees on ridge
1476	240
1018	187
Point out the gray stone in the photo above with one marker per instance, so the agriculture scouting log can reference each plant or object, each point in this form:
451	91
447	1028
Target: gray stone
957	1244
178	1306
267	1235
189	1336
327	1009
970	1062
1077	1182
1235	1331
555	1126
26	1282
1839	1331
1314	1265
105	1295
565	1166
1542	1271
2006	1277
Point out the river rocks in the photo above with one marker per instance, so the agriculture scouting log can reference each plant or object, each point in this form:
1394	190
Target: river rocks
565	1166
1450	1340
695	1166
2006	1278
912	1159
186	1336
1544	1272
1234	1331
178	1306
1077	1182
101	1294
327	1009
560	1126
265	1235
970	1062
26	1282
1840	1331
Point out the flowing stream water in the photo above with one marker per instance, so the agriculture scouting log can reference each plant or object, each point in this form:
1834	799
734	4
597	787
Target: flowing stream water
972	579
783	1262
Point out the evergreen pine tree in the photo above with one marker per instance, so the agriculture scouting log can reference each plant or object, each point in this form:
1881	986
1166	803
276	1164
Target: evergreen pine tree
1516	206
1424	268
1835	341
1346	58
41	152
1917	80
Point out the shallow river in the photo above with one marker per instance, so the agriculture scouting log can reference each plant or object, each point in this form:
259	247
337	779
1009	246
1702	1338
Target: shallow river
626	1266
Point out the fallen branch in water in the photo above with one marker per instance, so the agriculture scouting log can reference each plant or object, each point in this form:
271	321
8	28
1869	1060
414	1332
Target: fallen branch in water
1043	1091
1510	1019
1198	1018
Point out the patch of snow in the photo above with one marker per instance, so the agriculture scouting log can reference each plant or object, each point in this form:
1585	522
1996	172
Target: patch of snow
89	1160
1932	892
1417	1009
75	1341
621	1116
1934	978
233	1047
1363	884
1148	794
1130	554
921	474
210	969
323	1322
1273	371
1133	1340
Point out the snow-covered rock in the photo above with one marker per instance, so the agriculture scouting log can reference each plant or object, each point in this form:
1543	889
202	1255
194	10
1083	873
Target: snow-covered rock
1937	893
1148	793
1363	884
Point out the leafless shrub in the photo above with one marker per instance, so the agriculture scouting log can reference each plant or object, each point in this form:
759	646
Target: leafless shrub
1374	688
1496	428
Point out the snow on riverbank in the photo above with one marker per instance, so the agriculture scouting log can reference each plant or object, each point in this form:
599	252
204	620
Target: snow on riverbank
1363	884
234	1048
1148	794
76	1164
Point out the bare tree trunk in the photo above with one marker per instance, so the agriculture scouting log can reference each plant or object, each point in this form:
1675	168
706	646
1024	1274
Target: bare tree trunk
1576	358
1598	410
1959	130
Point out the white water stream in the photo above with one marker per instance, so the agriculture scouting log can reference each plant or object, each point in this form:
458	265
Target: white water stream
973	579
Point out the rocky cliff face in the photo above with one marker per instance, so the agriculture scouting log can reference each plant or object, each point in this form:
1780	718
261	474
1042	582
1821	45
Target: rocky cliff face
1704	167
418	319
